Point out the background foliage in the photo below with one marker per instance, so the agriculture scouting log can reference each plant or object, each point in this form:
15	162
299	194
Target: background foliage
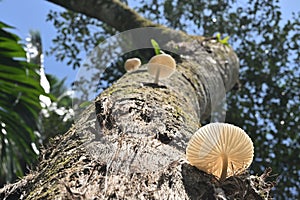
19	106
26	122
57	118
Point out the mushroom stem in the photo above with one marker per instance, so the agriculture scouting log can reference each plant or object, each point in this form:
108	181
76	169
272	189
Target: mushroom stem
224	167
157	76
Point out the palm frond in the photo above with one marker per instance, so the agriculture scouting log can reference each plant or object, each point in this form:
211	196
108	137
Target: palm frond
19	105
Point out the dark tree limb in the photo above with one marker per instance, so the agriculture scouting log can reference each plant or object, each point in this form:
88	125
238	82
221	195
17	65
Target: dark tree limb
112	12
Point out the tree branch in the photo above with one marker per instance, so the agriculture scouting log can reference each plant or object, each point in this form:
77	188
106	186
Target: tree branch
112	12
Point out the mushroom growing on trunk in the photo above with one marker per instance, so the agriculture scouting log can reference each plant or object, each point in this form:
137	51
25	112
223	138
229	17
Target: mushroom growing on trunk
220	149
161	66
132	64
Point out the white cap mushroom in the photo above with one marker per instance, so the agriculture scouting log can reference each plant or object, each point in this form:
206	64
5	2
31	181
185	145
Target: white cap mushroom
132	64
220	149
161	66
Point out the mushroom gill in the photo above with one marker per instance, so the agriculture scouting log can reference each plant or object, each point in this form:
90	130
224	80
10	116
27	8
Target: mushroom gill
220	149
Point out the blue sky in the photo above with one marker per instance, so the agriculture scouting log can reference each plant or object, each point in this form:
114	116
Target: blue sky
28	15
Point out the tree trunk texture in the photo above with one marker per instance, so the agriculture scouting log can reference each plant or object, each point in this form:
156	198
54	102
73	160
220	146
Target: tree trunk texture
130	144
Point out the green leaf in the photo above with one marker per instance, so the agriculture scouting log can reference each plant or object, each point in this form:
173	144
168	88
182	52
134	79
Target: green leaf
155	46
224	40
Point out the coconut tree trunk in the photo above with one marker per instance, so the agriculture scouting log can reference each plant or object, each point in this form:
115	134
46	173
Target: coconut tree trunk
130	143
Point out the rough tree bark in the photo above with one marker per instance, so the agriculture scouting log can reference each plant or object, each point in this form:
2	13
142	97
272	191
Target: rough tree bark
130	144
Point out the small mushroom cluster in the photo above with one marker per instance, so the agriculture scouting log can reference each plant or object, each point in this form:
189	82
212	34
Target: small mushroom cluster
160	66
220	149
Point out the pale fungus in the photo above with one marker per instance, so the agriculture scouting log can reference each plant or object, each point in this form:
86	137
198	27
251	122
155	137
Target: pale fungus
161	66
132	64
221	149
